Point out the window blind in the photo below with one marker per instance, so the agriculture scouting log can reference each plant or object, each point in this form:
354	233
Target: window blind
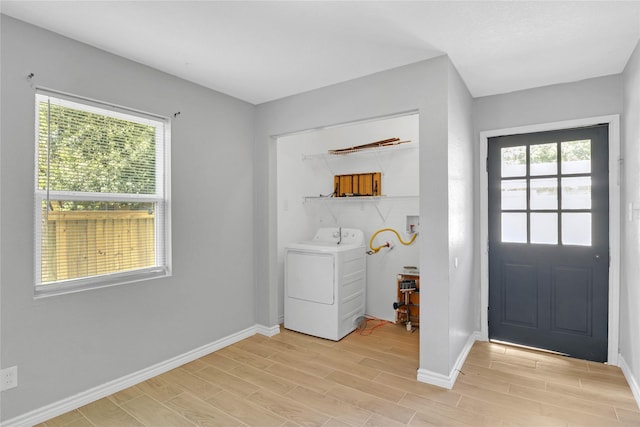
100	193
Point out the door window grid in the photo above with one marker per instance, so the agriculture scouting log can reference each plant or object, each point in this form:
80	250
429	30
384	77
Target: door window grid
547	195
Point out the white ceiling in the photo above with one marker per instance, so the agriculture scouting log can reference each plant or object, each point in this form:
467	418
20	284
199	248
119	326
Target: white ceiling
265	50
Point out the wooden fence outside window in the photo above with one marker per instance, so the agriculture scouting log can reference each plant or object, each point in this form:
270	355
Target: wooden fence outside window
79	244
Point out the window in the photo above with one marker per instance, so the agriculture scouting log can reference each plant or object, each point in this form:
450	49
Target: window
546	193
101	195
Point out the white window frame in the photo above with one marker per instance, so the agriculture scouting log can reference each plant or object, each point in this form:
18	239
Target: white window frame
161	198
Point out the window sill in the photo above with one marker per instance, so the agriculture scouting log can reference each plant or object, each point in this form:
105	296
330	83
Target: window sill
98	282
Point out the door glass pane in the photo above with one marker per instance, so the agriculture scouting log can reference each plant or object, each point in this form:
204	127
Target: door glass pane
576	156
544	228
514	161
514	194
544	159
514	227
544	193
576	228
576	192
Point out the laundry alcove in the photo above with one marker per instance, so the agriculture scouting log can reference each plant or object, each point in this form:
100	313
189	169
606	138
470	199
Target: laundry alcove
306	201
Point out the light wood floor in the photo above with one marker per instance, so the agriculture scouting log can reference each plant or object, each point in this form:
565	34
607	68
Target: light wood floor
366	380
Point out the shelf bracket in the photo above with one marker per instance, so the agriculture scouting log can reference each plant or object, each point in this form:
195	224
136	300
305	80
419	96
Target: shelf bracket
325	203
383	215
328	164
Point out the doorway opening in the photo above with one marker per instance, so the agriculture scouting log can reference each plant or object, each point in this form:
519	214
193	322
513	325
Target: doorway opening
568	285
307	201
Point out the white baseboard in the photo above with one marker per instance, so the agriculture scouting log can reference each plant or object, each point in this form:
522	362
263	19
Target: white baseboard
434	378
268	331
73	402
633	383
447	381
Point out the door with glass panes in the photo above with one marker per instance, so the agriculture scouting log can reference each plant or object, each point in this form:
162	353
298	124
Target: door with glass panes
549	240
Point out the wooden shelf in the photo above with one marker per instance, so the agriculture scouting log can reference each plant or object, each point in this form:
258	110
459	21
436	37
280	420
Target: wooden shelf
356	198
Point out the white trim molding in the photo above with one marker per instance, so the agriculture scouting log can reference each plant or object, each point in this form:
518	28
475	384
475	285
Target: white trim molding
447	381
85	397
614	218
633	384
267	331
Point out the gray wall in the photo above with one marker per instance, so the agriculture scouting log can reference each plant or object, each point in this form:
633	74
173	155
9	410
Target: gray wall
423	87
464	282
586	98
67	344
630	233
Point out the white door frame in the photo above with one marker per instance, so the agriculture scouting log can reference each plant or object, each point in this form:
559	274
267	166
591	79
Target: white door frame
614	219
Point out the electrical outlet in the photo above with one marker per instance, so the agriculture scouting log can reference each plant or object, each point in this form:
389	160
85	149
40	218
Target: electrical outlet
9	378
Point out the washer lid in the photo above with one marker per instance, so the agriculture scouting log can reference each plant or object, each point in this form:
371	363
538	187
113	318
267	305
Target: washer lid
339	235
318	246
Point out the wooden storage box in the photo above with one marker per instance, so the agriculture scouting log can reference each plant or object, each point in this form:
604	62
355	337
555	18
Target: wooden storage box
359	184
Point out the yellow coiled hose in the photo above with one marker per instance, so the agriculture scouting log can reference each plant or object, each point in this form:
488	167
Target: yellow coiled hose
375	250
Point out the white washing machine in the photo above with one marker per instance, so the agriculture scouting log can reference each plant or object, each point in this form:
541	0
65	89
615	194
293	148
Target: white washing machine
325	283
